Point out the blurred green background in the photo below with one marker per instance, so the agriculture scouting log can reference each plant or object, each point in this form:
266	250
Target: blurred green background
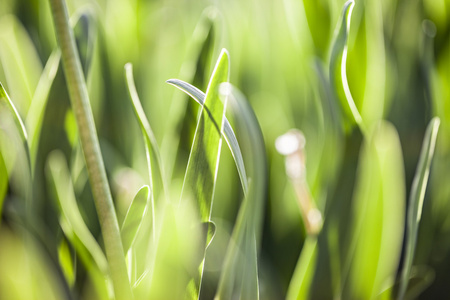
398	69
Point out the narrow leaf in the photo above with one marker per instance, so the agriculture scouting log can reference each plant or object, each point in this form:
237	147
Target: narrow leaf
73	224
17	119
338	68
230	137
416	199
39	103
304	271
201	172
377	213
157	185
240	270
27	179
134	217
67	262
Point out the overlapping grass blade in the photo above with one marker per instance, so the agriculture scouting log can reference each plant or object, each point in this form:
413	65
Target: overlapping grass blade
416	199
338	70
73	225
203	164
134	217
230	137
377	216
240	270
201	171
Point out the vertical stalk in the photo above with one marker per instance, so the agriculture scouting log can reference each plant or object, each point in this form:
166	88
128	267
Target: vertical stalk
79	99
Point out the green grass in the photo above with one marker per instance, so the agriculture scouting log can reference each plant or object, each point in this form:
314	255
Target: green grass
117	182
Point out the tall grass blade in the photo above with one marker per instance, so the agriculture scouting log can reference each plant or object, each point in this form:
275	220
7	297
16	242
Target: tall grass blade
157	184
338	69
201	172
203	164
39	103
377	216
73	225
239	279
230	137
27	179
416	199
80	103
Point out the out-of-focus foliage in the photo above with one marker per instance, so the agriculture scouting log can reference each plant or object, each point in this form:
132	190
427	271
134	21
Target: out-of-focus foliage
298	67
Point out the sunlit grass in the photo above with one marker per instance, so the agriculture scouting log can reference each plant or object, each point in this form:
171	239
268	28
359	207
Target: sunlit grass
292	160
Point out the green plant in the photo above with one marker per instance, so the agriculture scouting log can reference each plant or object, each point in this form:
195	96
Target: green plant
104	198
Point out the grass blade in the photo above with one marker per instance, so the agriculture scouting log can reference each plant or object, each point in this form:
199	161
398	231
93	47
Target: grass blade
101	191
240	270
17	119
230	137
4	99
378	212
39	102
157	185
201	171
304	271
134	217
416	199
203	164
338	69
73	224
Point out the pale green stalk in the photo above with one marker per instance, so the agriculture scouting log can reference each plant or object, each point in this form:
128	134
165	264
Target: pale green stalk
89	142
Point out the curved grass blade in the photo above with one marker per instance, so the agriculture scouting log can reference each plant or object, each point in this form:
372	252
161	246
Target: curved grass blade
416	199
377	213
201	171
230	137
240	270
4	98
157	183
338	69
73	224
134	217
17	119
203	164
39	102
